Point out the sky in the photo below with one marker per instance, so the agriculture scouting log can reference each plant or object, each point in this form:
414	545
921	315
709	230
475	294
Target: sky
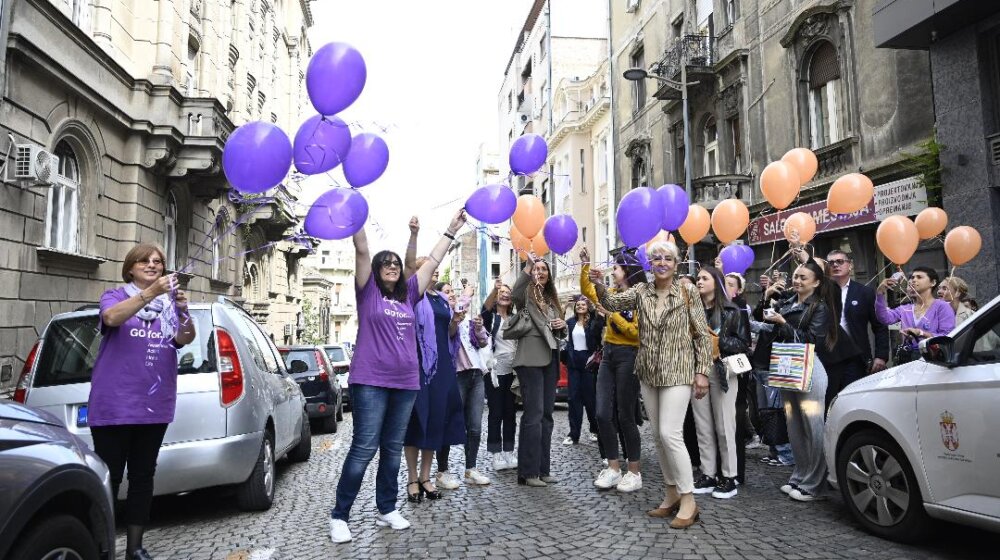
434	72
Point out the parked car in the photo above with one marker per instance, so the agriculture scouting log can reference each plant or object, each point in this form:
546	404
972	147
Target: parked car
921	441
315	376
340	356
238	409
56	498
562	384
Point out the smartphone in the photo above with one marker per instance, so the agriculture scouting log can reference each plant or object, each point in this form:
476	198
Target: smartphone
781	277
768	312
899	277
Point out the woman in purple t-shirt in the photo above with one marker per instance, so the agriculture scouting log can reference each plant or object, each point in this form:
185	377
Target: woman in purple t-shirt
385	375
133	389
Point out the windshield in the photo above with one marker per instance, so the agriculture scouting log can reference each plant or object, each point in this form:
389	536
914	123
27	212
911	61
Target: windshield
336	354
70	348
307	356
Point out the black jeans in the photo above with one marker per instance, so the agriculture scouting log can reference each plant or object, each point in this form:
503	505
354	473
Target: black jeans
617	398
582	386
136	446
538	391
842	374
502	420
743	426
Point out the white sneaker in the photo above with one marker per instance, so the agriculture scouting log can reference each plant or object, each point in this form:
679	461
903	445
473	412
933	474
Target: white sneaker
511	459
608	479
593	438
339	531
392	519
447	481
604	462
499	462
787	488
630	482
473	476
569	441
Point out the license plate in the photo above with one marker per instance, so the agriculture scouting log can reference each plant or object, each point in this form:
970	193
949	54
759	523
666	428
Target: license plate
81	416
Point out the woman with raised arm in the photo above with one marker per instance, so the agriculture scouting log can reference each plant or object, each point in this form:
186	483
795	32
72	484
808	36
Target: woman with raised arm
385	375
674	360
498	309
927	316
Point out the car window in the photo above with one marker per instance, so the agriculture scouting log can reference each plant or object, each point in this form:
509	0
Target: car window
336	354
70	348
986	331
246	326
266	349
308	356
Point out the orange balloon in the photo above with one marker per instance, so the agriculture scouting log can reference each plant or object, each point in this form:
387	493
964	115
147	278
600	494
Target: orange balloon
521	243
802	223
850	193
529	216
897	238
662	236
730	219
696	226
539	246
779	182
804	161
962	244
931	222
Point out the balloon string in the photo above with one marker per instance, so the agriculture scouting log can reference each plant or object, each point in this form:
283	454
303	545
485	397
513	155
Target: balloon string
236	199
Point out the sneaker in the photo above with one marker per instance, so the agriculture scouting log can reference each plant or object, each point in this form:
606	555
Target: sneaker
800	495
392	519
782	463
593	438
339	532
769	460
499	462
726	489
604	462
141	554
511	459
608	479
754	443
705	485
787	488
473	476
630	482
447	481
569	441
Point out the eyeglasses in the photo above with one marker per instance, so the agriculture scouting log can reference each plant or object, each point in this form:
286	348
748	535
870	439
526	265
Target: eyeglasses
392	264
660	258
838	262
156	262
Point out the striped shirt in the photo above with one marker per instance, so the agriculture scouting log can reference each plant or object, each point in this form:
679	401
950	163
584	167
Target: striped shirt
674	344
619	330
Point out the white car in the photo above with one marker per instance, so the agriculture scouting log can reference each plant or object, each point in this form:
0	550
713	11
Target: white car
922	440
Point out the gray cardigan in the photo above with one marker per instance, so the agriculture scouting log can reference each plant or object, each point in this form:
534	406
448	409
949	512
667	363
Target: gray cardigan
535	348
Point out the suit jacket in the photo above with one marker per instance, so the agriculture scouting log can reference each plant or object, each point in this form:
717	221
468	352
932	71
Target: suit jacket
859	316
535	348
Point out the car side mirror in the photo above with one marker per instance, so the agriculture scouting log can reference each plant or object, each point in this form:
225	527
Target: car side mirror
298	366
939	350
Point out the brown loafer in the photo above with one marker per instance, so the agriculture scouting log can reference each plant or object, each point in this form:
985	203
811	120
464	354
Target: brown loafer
682	523
664	512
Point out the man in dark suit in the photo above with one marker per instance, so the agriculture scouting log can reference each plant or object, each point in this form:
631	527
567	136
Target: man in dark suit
857	314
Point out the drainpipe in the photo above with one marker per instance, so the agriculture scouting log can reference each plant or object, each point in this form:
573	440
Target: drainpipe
612	154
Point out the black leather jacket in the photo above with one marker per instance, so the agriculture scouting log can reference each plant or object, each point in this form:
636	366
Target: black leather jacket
734	334
806	322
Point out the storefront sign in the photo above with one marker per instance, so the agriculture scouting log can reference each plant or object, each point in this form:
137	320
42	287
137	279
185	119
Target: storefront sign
905	197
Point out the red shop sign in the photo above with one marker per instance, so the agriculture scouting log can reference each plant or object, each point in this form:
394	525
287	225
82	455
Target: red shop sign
766	229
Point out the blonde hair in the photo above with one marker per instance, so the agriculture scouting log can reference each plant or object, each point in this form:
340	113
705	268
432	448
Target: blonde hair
958	287
138	253
664	247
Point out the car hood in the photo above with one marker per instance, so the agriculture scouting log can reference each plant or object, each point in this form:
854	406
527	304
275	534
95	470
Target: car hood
906	375
21	413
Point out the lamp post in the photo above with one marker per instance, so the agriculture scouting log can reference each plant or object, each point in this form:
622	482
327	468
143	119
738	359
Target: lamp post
636	74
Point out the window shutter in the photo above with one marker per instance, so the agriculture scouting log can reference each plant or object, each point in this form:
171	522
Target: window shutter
824	66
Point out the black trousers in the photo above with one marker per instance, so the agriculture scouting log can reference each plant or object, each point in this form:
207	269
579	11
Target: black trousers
136	446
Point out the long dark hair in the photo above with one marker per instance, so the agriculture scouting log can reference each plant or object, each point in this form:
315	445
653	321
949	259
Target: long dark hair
548	290
721	299
828	293
398	292
633	272
590	309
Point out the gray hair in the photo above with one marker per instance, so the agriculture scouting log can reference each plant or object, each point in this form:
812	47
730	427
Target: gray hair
664	247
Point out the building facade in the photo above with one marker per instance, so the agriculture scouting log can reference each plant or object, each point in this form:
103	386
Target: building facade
113	118
962	38
765	77
335	263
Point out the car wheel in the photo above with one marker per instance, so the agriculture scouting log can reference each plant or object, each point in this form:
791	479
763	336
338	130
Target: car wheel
257	493
879	487
61	537
301	452
329	424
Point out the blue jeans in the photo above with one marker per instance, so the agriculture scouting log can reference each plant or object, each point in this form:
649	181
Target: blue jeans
470	384
380	419
582	394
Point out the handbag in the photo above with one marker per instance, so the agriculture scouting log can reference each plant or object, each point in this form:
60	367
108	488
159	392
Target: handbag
773	428
518	326
594	361
737	364
792	363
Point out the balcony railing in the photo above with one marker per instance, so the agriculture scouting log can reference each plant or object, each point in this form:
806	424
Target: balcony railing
835	159
696	51
709	191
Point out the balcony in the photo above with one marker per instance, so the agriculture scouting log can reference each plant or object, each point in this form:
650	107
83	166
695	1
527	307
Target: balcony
698	52
709	191
835	159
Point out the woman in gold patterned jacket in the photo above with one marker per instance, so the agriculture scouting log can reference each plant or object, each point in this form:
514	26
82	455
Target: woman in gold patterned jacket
674	360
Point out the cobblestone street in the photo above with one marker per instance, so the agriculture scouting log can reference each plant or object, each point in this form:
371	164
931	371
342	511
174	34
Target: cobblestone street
504	520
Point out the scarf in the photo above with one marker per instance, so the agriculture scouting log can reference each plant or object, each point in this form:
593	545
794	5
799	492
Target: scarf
161	307
427	337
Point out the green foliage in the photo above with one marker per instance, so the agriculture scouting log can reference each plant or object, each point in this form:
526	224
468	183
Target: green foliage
313	333
927	163
446	276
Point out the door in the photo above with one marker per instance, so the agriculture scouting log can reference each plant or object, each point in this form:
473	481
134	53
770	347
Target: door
271	375
959	420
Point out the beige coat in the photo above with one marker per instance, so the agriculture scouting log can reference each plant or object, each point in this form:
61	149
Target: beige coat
535	348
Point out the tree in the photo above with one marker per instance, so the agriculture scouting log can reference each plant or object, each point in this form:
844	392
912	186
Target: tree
313	333
446	275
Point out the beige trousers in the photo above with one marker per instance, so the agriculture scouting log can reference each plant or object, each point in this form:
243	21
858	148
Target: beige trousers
666	407
715	422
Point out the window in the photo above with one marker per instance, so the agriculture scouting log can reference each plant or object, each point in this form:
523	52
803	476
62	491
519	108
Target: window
639	178
638	60
736	146
215	256
495	246
732	12
583	234
63	207
495	270
824	96
541	48
170	233
583	172
193	67
602	160
711	139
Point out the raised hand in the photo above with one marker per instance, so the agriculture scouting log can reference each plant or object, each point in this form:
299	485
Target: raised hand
584	256
414	225
597	276
457	222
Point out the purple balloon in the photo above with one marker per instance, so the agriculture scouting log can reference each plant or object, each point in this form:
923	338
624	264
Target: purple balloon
321	144
746	257
492	204
560	233
528	154
637	214
337	214
643	258
367	160
675	206
257	157
732	259
335	77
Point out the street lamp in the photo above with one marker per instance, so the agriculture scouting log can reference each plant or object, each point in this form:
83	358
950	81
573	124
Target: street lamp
636	74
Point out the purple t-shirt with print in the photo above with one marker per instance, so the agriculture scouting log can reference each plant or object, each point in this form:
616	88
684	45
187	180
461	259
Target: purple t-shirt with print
135	373
385	353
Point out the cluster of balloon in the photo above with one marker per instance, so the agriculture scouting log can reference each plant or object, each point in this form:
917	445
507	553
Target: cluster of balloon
898	237
258	155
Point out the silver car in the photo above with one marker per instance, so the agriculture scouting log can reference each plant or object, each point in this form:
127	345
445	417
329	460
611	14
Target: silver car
55	493
238	409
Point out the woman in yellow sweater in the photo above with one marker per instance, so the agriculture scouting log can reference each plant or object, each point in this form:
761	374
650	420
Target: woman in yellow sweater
617	385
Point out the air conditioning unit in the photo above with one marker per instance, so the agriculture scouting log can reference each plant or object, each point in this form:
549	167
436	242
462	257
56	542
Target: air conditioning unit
33	164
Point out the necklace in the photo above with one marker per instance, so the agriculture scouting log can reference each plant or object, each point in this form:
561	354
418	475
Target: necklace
920	310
